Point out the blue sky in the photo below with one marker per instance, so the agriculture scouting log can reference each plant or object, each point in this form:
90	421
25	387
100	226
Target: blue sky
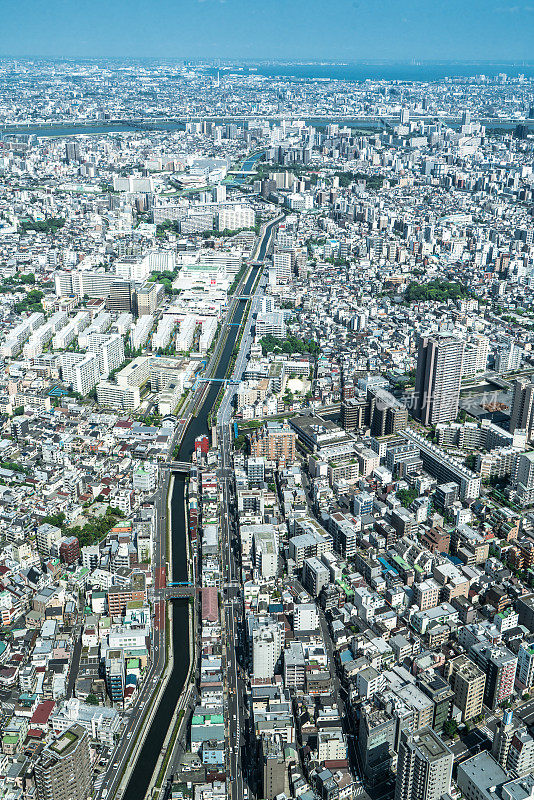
309	29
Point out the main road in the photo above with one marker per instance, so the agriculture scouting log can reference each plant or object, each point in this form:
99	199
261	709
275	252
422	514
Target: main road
139	768
231	568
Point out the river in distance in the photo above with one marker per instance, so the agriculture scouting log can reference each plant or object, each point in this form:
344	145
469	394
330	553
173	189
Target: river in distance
356	73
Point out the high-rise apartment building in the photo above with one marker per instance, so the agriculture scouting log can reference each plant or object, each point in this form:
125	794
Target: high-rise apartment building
475	355
235	217
118	293
266	648
119	596
283	265
522	414
275	441
48	538
499	665
63	769
525	665
480	344
69	550
468	682
513	747
424	766
353	413
386	415
314	576
80	370
520	759
508	357
110	395
438	377
109	349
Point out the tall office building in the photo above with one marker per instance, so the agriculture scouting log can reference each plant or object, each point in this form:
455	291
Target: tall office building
424	766
439	691
525	610
121	296
63	769
72	152
438	377
525	479
376	743
522	414
149	297
115	674
275	771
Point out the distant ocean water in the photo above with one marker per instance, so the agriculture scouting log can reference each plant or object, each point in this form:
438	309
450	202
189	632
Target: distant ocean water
387	72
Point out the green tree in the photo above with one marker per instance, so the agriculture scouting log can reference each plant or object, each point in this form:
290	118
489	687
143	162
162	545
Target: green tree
91	700
406	496
371	181
289	345
437	290
50	225
58	520
450	727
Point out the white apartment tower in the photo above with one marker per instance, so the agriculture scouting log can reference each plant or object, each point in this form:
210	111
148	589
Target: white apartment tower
438	378
266	649
80	370
282	265
424	766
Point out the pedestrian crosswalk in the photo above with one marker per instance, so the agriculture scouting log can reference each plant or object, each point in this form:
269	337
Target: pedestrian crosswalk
486	731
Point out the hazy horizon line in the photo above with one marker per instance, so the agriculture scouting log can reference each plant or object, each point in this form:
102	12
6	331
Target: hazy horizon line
265	60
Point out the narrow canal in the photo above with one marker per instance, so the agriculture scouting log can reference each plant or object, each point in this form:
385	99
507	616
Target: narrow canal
152	747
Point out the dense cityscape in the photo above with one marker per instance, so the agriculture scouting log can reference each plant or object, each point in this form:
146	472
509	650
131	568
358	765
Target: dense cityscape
267	433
